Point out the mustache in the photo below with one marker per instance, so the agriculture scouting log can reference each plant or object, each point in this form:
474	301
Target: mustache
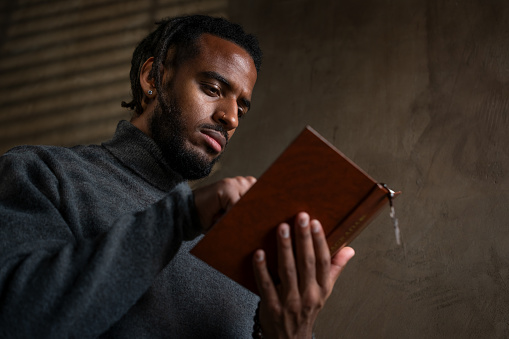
170	106
218	128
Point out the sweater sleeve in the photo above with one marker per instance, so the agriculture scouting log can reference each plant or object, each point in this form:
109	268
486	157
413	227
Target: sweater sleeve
54	284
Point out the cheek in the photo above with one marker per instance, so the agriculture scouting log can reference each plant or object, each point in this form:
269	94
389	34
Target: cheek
195	107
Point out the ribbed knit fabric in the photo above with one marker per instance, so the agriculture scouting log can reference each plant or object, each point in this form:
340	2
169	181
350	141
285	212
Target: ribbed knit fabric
90	245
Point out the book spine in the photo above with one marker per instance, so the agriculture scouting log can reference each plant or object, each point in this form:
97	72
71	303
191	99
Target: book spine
358	219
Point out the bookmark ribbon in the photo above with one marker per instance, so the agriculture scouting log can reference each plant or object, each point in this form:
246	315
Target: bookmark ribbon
392	214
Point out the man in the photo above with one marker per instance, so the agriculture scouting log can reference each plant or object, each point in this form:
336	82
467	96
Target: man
93	239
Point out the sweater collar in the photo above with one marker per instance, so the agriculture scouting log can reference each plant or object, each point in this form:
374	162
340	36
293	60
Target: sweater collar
142	155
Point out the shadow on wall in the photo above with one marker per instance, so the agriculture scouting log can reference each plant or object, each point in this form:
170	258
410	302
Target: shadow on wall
64	65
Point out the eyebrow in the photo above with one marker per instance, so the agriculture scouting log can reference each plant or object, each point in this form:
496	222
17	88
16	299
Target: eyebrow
220	78
217	76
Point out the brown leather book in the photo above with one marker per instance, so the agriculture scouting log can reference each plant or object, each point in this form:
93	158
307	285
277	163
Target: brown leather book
311	175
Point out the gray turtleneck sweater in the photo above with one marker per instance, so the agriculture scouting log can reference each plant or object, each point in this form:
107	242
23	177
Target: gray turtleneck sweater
91	245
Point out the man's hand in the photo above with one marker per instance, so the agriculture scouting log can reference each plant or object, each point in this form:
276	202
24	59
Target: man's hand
214	200
290	309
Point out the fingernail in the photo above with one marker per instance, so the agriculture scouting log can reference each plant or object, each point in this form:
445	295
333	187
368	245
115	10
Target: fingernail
259	256
315	226
304	220
285	231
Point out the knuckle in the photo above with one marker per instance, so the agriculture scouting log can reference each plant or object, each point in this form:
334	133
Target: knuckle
251	179
312	302
241	179
246	182
265	285
307	309
309	261
286	245
288	272
223	184
274	308
293	305
305	235
229	181
324	262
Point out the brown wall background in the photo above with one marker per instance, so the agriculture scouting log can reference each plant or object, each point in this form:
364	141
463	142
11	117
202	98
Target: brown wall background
414	91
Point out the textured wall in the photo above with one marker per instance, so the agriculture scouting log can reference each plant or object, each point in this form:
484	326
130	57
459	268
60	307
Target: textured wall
64	65
416	92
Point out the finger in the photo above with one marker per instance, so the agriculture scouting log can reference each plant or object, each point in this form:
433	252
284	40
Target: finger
245	184
264	282
213	200
322	253
339	262
251	180
305	252
286	261
234	189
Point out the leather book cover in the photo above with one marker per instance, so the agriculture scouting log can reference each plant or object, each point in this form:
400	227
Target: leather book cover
311	175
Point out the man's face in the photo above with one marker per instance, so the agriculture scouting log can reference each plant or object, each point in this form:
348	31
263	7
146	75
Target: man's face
200	103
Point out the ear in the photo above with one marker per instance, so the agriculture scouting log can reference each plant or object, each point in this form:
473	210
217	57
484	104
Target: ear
148	100
147	83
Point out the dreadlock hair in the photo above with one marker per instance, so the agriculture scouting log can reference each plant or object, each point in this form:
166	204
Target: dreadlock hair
182	32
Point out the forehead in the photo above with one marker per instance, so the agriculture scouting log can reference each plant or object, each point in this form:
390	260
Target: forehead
224	57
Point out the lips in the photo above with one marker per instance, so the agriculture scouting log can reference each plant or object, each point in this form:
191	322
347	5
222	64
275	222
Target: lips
214	139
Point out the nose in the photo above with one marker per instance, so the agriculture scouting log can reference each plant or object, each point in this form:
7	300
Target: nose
226	114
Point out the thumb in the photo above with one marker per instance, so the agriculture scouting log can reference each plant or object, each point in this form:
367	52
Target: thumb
339	261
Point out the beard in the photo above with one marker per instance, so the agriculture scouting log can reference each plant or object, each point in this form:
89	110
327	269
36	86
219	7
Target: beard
167	129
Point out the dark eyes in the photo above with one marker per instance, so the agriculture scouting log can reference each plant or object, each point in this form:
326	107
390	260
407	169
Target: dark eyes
211	90
214	91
